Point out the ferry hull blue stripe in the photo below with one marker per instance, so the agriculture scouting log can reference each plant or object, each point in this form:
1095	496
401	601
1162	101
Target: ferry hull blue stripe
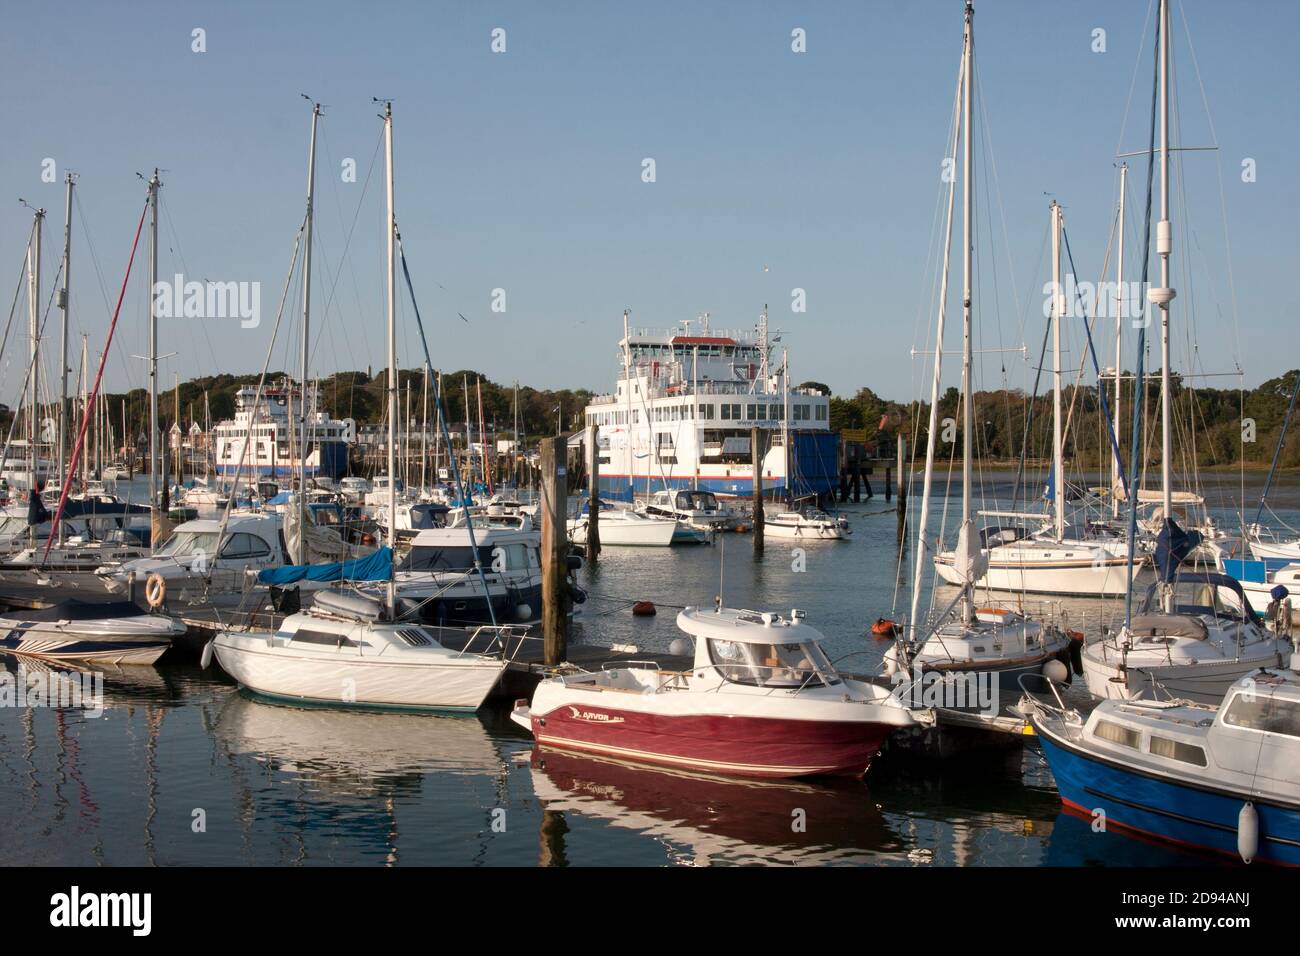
1168	810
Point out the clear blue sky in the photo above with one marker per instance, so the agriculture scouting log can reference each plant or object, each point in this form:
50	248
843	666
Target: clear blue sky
522	170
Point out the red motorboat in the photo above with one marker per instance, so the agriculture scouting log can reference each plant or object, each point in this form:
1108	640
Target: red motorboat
761	701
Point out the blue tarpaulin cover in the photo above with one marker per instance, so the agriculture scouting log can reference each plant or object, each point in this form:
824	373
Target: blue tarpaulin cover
1172	548
373	567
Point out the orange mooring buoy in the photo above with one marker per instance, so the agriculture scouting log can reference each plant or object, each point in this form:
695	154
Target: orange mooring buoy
643	609
884	628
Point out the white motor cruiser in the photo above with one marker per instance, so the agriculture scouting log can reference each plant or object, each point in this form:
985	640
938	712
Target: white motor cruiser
807	525
343	651
624	527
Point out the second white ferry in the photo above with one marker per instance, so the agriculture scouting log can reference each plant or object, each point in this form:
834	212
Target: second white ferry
269	431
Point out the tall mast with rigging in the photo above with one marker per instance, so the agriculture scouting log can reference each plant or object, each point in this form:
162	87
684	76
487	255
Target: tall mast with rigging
1116	481
936	380
154	185
1058	448
33	409
64	306
390	230
301	556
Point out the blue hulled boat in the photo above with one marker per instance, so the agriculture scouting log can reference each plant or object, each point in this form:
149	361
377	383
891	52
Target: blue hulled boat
1224	780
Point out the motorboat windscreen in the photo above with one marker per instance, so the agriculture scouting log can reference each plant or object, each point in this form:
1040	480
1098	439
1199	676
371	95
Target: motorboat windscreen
772	665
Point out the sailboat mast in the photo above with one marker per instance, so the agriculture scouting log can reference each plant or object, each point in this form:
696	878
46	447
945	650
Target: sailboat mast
33	417
1164	245
932	429
64	300
85	398
469	434
968	391
1058	301
390	228
424	432
627	389
301	556
154	184
1121	302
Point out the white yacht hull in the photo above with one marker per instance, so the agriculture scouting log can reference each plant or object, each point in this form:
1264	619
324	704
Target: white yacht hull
645	533
342	677
1084	578
804	532
1204	682
1275	549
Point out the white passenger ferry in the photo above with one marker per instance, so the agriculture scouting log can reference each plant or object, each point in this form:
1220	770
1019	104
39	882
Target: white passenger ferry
271	430
682	413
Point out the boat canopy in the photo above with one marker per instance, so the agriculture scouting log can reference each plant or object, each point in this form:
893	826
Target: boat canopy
373	567
1191	588
747	627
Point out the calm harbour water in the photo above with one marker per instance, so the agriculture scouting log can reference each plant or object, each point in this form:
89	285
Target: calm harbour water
275	784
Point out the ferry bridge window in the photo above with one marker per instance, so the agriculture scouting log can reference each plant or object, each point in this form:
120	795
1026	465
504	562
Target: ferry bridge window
1268	714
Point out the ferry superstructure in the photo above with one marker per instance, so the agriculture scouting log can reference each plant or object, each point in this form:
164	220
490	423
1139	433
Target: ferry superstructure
684	407
270	427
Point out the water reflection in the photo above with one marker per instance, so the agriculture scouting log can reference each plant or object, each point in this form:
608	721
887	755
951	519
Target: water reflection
322	775
702	820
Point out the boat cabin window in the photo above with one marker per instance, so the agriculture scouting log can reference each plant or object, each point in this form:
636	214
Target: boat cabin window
242	545
1118	734
1272	715
188	543
772	665
696	501
1177	750
437	558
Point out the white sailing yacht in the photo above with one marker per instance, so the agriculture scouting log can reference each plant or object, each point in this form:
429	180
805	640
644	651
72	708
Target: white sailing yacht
1196	633
353	649
965	639
1055	559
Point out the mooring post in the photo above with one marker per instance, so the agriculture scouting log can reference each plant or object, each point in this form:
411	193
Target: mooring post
756	451
901	476
555	551
593	495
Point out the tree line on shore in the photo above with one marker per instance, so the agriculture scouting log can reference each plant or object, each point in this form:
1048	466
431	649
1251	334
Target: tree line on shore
1213	426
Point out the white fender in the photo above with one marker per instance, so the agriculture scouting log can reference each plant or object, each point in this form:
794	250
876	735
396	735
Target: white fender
1248	831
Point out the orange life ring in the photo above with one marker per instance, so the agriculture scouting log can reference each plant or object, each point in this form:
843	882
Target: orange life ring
155	590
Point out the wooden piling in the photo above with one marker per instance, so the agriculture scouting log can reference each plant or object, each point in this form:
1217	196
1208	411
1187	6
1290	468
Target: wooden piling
901	492
756	452
555	551
593	495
